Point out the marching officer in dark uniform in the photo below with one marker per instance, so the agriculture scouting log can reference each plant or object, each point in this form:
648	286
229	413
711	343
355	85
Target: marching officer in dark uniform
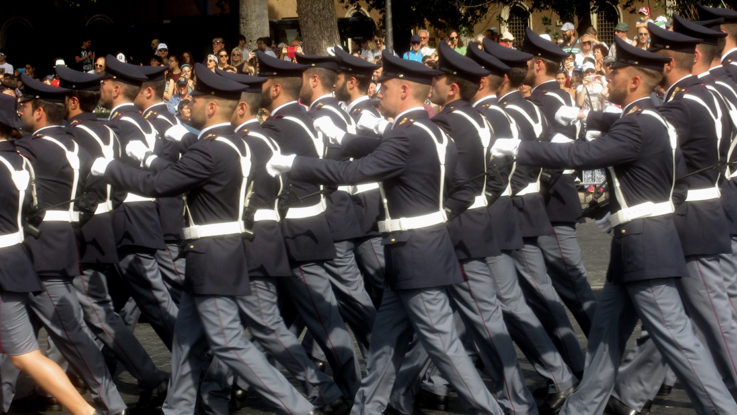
727	24
97	249
60	166
18	279
171	209
351	87
304	225
525	190
136	221
355	304
470	230
703	126
214	173
413	161
524	326
561	250
647	258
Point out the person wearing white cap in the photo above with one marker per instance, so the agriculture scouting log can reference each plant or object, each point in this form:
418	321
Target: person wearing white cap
507	39
163	51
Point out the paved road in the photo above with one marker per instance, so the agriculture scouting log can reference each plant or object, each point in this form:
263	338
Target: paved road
595	248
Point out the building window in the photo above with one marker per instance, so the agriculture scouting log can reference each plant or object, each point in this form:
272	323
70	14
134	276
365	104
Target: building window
518	20
606	18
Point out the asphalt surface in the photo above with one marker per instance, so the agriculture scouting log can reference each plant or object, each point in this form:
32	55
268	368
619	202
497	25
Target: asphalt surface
595	247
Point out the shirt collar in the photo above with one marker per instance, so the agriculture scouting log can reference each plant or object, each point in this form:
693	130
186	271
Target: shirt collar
251	121
46	128
403	113
667	92
488	97
330	95
280	107
212	127
112	111
627	107
724	55
357	101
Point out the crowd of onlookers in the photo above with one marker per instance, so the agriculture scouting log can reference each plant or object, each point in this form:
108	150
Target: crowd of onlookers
582	75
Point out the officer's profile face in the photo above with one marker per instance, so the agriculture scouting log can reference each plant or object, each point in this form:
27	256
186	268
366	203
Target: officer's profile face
198	112
618	82
266	99
27	116
440	90
341	87
106	93
390	97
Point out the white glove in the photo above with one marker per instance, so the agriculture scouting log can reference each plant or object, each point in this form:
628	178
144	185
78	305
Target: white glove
592	135
567	115
279	163
326	126
369	121
604	225
99	166
136	150
176	133
559	138
504	147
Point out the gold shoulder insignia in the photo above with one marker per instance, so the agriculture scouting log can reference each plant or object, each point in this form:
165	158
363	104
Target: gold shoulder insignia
633	110
210	136
676	90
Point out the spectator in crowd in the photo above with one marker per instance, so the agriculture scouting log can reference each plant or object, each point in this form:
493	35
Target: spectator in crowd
587	49
414	53
570	43
425	48
5	67
644	15
188	75
163	52
154	44
372	89
600	52
592	91
100	65
212	62
455	42
643	37
230	68
84	60
492	34
507	39
181	92
242	46
431	61
380	45
156	61
236	59
218	44
620	31
223	59
569	64
30	70
184	110
565	82
172	75
187	58
264	45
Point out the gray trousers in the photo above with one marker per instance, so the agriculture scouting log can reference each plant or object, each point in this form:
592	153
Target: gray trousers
565	268
476	301
312	294
261	314
729	270
544	300
658	304
370	257
524	326
172	269
213	323
99	314
355	304
705	299
58	310
427	313
142	276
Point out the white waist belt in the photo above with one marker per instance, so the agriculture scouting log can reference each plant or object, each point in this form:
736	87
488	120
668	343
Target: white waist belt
266	214
11	239
479	202
569	171
360	188
643	210
507	192
733	175
132	197
213	229
417	222
347	189
61	216
530	188
305	212
104	207
695	195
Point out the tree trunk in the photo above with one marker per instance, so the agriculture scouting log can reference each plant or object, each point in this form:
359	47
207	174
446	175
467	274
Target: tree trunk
318	24
254	21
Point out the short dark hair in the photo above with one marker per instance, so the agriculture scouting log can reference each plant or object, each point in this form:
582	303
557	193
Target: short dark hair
467	88
290	85
254	100
682	60
517	76
327	76
710	52
129	91
363	81
266	40
8	132
551	67
88	100
157	58
158	87
55	111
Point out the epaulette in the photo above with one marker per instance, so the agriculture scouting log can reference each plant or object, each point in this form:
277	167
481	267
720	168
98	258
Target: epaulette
209	136
116	116
319	105
406	122
355	110
149	113
634	110
73	123
676	90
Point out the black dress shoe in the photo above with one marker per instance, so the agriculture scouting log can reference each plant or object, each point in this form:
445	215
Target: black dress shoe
617	407
152	398
428	400
665	390
554	401
338	407
238	398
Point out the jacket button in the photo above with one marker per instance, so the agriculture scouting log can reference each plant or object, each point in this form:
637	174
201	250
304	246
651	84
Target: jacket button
624	231
394	240
191	247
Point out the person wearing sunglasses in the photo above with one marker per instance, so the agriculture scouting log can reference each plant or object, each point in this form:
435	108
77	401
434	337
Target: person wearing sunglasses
212	62
455	42
223	59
